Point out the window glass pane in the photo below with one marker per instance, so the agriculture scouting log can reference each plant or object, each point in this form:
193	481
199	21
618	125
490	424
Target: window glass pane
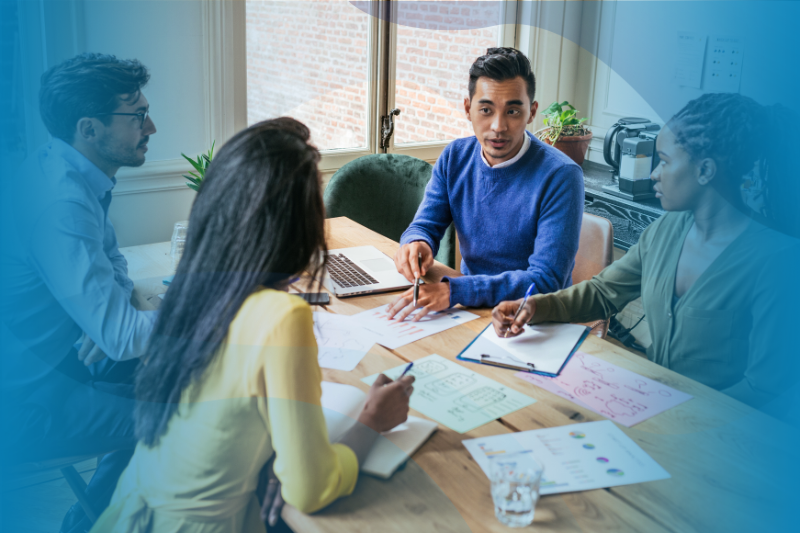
436	45
309	60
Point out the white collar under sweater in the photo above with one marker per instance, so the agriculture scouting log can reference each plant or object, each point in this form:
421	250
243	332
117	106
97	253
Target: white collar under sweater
526	143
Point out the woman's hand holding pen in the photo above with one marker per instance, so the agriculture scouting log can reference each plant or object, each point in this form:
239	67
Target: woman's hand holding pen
503	317
387	403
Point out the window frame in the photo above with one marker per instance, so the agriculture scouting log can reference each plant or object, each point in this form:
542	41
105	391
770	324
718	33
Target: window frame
382	48
556	61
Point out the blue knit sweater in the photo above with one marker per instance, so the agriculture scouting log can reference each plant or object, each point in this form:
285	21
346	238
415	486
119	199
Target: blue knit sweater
516	225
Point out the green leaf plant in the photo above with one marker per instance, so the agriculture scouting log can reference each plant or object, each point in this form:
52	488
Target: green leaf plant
200	166
561	121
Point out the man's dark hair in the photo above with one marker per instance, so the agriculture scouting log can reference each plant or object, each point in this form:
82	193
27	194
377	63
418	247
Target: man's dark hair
86	86
502	64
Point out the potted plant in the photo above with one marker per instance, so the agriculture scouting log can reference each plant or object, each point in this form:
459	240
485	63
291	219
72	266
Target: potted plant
565	131
200	165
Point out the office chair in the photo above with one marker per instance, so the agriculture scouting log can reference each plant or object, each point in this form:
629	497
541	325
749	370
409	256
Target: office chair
595	252
383	192
67	467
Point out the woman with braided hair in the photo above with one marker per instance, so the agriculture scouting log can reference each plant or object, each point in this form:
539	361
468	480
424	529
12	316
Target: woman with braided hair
710	271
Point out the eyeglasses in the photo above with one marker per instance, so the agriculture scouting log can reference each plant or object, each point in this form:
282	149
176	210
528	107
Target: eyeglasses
142	116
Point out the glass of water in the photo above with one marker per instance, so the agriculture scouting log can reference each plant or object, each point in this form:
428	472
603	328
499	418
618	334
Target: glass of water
178	242
515	488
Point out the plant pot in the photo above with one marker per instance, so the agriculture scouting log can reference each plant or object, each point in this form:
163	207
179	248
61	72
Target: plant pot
574	147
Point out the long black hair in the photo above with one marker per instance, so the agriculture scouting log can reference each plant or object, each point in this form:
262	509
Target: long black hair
755	149
257	220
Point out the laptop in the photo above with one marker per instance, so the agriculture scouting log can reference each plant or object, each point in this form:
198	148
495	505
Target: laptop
362	270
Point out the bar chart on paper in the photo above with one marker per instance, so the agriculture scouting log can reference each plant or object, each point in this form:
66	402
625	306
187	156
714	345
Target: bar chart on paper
394	333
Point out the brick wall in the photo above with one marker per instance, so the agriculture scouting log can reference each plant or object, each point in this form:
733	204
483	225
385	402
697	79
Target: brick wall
433	60
309	60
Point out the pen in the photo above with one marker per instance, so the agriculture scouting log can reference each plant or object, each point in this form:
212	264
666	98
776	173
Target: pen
408	367
524	301
416	281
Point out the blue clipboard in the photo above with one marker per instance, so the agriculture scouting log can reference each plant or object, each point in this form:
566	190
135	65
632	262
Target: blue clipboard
474	346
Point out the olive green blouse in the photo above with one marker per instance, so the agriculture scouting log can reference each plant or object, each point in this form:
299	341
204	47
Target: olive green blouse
732	330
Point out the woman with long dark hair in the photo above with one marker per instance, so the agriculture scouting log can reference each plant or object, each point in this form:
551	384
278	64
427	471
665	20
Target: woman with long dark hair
232	377
712	271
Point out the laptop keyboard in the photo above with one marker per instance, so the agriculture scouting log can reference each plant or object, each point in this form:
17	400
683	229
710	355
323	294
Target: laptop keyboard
346	273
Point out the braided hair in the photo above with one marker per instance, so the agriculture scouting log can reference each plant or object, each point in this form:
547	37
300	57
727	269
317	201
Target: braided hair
754	158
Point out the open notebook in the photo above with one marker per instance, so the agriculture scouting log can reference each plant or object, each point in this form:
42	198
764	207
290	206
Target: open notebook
342	404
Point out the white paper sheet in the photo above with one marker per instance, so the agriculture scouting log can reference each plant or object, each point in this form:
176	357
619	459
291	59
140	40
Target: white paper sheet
690	53
592	455
725	63
610	390
393	334
547	346
342	342
455	396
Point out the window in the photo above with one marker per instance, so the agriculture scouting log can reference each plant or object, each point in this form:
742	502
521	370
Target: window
435	47
310	61
339	66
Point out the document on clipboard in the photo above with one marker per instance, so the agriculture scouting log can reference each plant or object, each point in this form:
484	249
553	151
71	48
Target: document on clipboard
540	349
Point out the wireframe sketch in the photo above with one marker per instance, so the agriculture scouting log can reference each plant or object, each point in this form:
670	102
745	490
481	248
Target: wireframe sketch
480	399
451	384
426	368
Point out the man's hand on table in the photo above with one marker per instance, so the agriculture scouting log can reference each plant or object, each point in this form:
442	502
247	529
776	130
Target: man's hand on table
407	260
432	297
503	317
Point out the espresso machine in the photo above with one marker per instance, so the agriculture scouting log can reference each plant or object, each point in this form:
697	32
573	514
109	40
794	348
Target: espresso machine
630	149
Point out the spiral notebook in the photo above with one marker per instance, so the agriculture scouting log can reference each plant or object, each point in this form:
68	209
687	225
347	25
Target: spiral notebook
341	405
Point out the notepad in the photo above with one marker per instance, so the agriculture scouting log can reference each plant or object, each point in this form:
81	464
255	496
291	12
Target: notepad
341	405
543	349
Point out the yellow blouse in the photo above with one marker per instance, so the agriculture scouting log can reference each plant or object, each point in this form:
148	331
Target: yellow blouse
261	394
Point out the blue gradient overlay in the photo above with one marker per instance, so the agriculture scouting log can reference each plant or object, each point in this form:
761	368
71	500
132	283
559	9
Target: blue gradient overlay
750	458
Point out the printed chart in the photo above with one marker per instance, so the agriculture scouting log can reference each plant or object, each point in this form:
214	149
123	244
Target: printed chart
393	333
585	456
341	341
609	390
455	396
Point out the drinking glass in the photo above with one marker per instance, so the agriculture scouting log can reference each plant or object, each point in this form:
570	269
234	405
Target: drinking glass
515	488
178	242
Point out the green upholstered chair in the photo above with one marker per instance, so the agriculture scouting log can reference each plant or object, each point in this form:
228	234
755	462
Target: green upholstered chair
383	192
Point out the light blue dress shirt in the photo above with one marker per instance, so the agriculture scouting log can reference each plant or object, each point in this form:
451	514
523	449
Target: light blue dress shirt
61	272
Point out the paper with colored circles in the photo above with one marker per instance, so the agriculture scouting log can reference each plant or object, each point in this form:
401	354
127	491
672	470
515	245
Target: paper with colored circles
592	455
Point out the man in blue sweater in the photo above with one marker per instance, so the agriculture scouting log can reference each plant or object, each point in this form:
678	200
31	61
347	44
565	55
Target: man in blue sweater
516	202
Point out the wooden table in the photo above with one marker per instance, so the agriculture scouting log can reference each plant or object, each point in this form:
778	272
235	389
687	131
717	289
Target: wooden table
722	455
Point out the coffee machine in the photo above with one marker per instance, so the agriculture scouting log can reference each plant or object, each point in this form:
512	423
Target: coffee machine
630	149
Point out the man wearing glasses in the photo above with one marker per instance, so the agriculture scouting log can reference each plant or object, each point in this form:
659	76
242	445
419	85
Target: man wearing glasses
71	337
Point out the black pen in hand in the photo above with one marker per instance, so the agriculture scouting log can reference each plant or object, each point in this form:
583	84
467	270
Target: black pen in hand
416	280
